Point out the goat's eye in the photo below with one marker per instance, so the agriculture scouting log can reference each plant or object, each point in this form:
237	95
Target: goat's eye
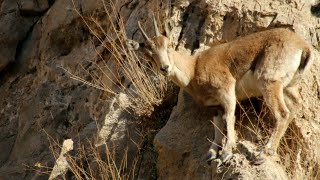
142	45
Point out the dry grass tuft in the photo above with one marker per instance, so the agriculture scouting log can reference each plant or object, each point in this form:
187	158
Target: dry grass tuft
116	68
101	163
88	161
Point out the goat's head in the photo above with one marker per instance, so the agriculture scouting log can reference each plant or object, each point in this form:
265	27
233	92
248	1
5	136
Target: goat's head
156	47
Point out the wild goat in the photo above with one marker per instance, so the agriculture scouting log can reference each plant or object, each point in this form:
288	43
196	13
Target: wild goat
267	64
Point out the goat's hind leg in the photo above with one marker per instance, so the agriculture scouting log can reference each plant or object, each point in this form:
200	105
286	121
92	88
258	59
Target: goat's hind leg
218	137
292	97
273	95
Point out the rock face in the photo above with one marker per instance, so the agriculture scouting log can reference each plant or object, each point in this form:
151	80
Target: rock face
40	40
184	141
182	145
37	98
40	105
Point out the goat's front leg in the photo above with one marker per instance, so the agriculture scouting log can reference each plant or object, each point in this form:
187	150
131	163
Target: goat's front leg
228	102
218	137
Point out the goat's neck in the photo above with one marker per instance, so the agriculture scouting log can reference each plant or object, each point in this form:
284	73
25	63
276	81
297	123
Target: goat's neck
183	69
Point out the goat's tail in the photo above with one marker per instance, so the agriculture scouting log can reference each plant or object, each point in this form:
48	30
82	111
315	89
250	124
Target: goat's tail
307	57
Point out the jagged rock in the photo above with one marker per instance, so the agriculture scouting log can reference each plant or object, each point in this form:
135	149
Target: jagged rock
61	166
33	7
37	97
13	29
183	142
8	6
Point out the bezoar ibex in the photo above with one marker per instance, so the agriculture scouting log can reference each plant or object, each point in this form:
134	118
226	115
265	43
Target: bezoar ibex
267	64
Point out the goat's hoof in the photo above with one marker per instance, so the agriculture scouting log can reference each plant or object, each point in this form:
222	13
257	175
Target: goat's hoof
263	155
211	155
226	157
260	159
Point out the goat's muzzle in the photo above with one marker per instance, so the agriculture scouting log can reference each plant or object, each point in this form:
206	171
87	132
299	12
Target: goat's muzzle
164	69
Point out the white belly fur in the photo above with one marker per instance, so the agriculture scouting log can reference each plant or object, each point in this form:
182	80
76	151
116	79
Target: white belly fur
246	87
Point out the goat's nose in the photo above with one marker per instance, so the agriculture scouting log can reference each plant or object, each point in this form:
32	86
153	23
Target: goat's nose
164	68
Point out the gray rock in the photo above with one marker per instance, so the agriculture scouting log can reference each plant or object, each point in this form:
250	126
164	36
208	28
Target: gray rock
33	7
13	29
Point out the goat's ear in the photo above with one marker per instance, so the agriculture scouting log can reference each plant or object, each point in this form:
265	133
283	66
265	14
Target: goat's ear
146	50
133	45
168	28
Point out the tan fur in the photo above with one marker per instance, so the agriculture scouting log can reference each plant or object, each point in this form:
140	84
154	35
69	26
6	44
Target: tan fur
267	64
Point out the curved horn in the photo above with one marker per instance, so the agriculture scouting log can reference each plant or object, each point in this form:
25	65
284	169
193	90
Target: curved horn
156	26
144	33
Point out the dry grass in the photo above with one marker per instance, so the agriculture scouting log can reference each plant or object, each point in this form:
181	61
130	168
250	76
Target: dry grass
96	163
88	161
256	125
116	68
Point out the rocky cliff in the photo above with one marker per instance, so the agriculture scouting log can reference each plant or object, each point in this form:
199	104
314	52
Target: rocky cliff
41	105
